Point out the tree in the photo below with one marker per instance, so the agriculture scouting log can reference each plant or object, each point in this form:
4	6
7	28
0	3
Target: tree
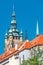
25	62
35	60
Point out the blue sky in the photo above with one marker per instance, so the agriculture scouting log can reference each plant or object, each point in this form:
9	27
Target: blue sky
27	13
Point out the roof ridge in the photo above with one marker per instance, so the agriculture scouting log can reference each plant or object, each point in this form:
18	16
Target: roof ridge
22	45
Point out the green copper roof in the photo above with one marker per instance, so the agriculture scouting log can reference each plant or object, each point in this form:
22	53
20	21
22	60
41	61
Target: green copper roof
13	30
15	34
6	35
13	22
21	33
17	30
10	31
10	34
13	13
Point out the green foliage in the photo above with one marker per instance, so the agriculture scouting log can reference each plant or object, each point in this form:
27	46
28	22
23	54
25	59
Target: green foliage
32	61
25	62
35	59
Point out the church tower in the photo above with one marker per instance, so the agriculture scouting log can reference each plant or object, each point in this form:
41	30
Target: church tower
13	36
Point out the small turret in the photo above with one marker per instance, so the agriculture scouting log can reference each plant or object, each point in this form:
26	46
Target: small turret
5	45
10	35
6	36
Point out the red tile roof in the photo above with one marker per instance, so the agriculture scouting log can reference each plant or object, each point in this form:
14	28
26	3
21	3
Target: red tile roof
37	41
23	45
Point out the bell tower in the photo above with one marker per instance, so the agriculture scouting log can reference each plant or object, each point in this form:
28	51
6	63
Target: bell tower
13	36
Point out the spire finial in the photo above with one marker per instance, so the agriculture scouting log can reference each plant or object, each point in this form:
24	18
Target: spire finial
13	7
37	29
13	13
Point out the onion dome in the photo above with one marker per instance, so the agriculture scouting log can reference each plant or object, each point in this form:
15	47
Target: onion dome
15	34
13	30
13	22
6	35
10	32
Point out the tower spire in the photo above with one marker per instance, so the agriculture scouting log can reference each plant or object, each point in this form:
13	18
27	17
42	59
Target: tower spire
13	13
37	29
13	22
